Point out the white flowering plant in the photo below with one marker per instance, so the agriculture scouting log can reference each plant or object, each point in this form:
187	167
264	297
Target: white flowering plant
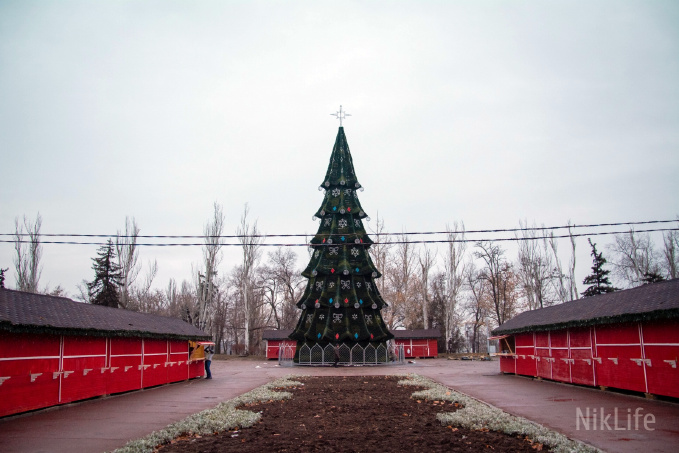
221	418
477	415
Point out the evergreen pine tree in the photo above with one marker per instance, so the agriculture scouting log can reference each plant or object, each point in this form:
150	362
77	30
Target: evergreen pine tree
2	277
341	303
108	278
652	277
598	279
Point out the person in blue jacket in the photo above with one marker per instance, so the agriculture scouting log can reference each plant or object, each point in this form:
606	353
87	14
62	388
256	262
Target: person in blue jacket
209	352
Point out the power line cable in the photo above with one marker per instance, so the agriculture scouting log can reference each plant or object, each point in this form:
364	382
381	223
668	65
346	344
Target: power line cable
440	241
501	230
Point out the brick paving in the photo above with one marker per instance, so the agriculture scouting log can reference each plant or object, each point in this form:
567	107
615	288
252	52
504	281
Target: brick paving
104	424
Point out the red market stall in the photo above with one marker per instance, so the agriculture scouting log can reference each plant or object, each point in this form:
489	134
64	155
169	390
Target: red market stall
627	340
418	343
54	351
276	339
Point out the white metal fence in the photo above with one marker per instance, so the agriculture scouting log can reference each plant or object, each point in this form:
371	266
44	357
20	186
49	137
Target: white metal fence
356	354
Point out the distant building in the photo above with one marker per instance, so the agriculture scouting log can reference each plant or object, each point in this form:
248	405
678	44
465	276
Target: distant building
54	350
416	343
627	340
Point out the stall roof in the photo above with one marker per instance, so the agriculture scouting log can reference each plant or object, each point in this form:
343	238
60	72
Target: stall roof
402	334
276	334
38	313
416	333
653	301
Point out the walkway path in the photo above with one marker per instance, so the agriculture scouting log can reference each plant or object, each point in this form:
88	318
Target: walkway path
107	423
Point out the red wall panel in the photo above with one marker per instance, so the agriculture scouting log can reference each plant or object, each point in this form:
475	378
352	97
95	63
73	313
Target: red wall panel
38	371
196	369
525	353
607	355
27	366
580	337
524	339
617	334
508	364
124	371
582	367
663	374
618	370
561	368
543	363
418	347
155	355
558	338
83	360
541	339
25	392
664	331
179	353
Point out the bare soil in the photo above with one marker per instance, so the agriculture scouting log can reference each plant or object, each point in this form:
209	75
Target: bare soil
352	414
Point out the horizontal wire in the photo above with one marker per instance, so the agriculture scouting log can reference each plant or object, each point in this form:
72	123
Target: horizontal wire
502	230
441	241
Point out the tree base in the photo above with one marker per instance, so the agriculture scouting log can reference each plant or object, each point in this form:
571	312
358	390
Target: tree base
324	353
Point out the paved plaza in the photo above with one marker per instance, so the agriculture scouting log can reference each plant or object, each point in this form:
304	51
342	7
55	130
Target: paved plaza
104	424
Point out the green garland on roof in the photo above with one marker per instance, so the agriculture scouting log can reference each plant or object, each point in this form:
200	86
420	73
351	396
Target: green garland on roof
626	318
48	330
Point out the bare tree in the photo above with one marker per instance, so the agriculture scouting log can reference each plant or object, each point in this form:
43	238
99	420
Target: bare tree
28	254
633	258
501	280
477	303
222	307
142	298
426	259
206	282
282	283
128	255
380	253
399	278
573	286
454	269
671	253
250	238
536	268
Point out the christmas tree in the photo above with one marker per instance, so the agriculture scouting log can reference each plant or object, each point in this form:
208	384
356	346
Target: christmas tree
598	279
341	304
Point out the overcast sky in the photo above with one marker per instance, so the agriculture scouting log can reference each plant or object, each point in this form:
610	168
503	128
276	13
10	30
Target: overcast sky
484	112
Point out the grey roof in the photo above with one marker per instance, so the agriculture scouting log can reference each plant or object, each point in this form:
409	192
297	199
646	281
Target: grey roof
276	334
28	312
654	301
416	333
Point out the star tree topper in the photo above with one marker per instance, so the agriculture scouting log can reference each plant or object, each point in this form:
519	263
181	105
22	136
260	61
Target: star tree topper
340	115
